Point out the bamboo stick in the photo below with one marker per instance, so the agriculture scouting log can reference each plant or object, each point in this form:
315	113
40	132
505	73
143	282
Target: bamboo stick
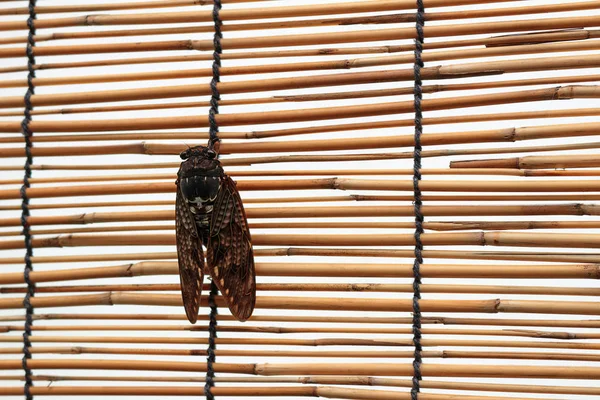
439	72
312	354
545	256
322	303
337	380
566	92
42	9
483	238
291	330
329	183
303	391
148	268
432	225
317	172
328	212
402	369
437	320
532	162
313	66
510	40
312	10
330	287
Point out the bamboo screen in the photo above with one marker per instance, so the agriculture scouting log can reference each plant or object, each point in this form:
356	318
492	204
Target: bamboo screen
317	122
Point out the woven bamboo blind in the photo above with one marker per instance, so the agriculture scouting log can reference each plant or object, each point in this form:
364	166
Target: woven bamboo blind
317	122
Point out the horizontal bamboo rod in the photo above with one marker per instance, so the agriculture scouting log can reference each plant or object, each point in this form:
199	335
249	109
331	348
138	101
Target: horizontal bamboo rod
326	158
149	268
42	9
347	380
314	184
432	225
278	341
315	81
510	40
321	303
528	173
541	256
330	287
446	354
335	380
292	330
228	14
532	162
316	66
397	369
481	238
241	119
314	97
439	320
326	212
302	391
284	40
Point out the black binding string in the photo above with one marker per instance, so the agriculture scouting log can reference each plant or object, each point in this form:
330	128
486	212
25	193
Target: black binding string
418	96
26	131
213	139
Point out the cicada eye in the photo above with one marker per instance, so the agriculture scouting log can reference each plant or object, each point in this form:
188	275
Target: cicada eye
211	153
184	155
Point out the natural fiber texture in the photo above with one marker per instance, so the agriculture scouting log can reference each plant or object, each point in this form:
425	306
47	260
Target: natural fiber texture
378	147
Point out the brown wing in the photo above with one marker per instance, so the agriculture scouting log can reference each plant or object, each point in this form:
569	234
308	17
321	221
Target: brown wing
190	256
230	256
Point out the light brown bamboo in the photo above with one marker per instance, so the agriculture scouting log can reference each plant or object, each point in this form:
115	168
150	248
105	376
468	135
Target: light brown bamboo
439	72
400	369
42	9
291	330
148	268
330	287
336	380
302	391
329	183
529	322
322	303
314	66
482	238
432	225
327	212
566	92
544	256
307	353
532	162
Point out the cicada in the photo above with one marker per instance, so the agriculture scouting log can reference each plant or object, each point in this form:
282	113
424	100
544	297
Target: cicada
209	212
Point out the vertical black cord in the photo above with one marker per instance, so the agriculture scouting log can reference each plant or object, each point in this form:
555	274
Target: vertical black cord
418	96
26	131
213	138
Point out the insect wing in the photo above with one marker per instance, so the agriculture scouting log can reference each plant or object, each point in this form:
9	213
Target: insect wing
190	256
230	255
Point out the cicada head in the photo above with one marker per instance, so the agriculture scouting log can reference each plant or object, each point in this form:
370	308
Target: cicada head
200	174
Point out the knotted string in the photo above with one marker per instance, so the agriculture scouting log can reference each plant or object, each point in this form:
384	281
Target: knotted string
418	96
26	131
213	139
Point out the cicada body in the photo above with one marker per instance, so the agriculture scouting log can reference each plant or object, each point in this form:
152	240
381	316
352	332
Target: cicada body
209	212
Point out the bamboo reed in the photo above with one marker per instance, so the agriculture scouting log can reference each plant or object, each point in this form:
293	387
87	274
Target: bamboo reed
482	238
567	92
312	66
570	323
332	287
328	183
543	256
569	271
385	369
328	212
322	303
